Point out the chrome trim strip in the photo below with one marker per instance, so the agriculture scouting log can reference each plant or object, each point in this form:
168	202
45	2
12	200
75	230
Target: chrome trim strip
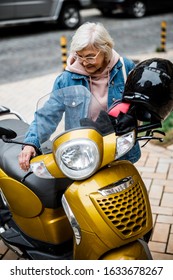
116	186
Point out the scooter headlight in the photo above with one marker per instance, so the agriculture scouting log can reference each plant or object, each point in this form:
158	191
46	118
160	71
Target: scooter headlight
124	144
78	158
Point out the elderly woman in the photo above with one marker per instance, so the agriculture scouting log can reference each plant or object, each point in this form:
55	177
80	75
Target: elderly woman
94	64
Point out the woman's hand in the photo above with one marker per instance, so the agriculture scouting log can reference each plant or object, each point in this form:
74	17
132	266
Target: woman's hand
25	156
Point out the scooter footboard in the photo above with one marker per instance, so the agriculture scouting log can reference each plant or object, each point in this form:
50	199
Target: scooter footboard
137	250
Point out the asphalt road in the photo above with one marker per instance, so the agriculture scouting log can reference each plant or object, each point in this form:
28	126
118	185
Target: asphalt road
34	50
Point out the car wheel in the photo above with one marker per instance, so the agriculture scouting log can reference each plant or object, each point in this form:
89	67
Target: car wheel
137	9
70	17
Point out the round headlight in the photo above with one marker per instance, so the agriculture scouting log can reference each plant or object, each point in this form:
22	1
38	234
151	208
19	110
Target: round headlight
78	158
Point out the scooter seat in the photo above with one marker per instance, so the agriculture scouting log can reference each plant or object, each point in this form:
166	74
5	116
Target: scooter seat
49	191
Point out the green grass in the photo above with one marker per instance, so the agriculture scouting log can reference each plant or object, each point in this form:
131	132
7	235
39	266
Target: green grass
167	127
168	123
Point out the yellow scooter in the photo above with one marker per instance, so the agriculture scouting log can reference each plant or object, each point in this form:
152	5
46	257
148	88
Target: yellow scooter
79	200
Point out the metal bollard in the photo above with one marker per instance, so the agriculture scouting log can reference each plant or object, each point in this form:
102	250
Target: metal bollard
163	36
63	43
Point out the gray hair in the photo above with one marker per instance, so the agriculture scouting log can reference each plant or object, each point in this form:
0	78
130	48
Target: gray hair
94	35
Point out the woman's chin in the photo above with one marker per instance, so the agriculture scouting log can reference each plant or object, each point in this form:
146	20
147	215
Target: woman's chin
91	70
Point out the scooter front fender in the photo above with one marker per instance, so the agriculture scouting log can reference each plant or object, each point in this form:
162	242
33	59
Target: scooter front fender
137	250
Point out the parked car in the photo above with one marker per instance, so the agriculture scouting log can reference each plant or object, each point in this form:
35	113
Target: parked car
135	8
65	12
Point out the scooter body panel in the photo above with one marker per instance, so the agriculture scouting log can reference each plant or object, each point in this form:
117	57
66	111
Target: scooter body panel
20	199
113	211
133	251
47	227
28	212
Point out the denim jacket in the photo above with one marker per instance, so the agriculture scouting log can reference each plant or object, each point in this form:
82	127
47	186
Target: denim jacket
65	100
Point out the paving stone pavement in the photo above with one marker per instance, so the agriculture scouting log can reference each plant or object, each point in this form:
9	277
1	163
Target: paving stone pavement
155	165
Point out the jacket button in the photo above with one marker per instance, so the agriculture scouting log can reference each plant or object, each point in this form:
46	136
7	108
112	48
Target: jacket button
113	99
73	103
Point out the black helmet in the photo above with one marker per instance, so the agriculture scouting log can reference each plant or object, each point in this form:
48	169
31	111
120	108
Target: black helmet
150	86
